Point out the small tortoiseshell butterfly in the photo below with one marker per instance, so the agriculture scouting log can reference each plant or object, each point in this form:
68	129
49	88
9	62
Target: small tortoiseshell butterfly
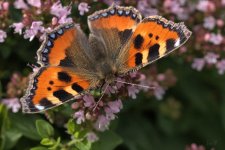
120	42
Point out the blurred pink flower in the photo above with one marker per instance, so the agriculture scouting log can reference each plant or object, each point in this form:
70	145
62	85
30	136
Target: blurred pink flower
161	77
198	64
3	36
209	22
102	123
159	92
18	27
206	6
216	39
223	2
79	116
4	6
35	3
133	91
109	2
211	58
92	137
144	7
20	4
219	22
194	146
35	28
83	8
89	101
12	103
221	66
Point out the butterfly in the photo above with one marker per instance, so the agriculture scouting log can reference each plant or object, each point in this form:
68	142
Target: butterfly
120	42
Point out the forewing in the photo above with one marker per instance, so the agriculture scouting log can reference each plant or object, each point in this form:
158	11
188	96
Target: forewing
64	46
153	38
52	86
113	27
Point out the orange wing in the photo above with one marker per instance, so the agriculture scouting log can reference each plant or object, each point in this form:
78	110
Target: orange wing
113	26
52	86
61	46
154	38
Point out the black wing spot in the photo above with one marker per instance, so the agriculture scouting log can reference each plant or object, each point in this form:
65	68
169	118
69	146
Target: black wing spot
62	95
51	82
64	76
138	41
124	35
170	44
77	87
150	35
138	58
49	89
153	52
45	102
157	37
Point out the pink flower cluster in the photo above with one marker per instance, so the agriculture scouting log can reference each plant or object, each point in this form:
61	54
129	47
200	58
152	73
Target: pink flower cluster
210	59
102	110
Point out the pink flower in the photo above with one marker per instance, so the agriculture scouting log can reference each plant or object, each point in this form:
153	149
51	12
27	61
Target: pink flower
64	19
112	108
216	39
102	123
109	114
89	101
20	4
220	22
223	2
18	27
35	3
61	12
111	90
35	28
83	8
132	91
115	106
159	92
198	64
92	137
211	58
194	146
12	103
209	22
161	77
206	6
221	66
79	116
146	9
4	6
3	36
109	2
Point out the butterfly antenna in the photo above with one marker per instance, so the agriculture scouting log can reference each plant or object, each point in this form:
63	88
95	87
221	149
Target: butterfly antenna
144	86
103	93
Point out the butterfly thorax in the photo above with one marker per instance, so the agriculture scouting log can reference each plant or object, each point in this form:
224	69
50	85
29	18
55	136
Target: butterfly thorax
106	71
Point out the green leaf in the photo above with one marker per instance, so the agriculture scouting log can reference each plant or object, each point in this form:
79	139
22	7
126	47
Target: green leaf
56	144
82	146
45	130
39	148
3	125
47	142
70	126
25	124
11	138
108	141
